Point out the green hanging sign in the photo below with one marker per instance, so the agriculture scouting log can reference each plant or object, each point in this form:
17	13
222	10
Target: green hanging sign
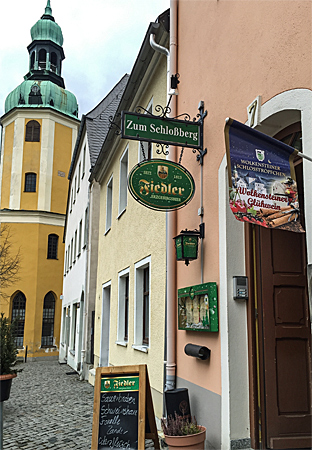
144	127
161	184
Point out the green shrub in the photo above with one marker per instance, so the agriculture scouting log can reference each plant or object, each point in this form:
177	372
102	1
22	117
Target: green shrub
8	350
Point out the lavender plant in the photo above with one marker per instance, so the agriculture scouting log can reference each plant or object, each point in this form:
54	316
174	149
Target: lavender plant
179	425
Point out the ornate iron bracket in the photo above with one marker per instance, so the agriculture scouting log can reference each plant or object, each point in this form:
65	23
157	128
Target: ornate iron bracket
115	126
163	113
201	116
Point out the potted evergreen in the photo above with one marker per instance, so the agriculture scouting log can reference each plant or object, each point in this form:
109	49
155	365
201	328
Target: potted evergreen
8	356
181	432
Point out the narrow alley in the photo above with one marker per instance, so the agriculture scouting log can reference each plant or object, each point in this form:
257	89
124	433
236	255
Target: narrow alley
49	408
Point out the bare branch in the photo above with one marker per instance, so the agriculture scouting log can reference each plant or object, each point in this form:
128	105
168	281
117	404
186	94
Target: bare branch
9	263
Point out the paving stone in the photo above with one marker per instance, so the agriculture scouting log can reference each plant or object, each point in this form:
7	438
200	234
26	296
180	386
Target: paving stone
48	409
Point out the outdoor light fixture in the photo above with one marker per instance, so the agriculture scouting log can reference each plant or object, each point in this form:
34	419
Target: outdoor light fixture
186	244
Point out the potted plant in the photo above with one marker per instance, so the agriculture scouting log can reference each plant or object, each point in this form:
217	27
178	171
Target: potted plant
182	432
8	356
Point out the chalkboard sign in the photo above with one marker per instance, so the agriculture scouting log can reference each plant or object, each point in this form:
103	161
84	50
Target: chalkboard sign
123	413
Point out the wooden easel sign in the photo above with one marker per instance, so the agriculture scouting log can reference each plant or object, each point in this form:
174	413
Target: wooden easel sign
123	413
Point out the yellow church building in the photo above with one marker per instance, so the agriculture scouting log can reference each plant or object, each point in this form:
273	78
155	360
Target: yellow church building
39	130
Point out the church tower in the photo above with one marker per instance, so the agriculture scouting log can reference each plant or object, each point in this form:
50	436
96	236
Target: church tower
39	130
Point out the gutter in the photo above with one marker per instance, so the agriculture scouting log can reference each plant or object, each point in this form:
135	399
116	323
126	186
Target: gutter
171	217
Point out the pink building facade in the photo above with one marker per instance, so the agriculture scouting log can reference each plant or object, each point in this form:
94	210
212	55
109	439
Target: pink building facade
251	61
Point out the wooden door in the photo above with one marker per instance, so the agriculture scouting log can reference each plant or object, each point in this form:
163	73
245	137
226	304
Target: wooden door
285	339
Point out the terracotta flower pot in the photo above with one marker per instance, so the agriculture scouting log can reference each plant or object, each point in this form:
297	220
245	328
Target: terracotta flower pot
190	441
5	386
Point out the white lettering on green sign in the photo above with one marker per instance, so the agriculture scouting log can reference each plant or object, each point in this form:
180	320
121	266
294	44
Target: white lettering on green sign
162	130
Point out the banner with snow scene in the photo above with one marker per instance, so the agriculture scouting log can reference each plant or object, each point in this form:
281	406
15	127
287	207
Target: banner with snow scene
262	182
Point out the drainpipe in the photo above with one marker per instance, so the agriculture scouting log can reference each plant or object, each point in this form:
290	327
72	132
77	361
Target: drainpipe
171	217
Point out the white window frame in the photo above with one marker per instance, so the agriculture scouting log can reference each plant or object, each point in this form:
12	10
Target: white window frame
123	177
85	241
75	247
138	304
79	238
105	324
84	160
71	198
63	325
79	175
121	306
109	204
75	189
68	258
73	329
71	252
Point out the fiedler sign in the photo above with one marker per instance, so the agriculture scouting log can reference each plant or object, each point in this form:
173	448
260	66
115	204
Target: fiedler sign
262	182
143	127
161	184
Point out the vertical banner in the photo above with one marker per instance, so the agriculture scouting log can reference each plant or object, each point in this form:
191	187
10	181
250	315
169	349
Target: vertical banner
262	181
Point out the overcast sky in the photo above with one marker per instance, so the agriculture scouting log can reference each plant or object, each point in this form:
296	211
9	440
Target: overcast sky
101	41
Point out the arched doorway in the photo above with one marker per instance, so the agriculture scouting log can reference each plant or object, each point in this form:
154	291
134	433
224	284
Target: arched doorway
282	336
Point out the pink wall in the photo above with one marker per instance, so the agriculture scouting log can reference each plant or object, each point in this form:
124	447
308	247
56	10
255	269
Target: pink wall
229	52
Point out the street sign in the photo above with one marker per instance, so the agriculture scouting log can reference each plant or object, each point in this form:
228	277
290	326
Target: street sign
144	127
161	184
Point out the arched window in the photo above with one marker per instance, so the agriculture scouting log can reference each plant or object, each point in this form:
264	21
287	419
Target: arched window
53	62
30	182
48	320
18	314
52	246
42	59
32	60
32	131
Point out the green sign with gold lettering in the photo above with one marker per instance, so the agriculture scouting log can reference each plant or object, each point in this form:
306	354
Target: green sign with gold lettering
120	384
161	184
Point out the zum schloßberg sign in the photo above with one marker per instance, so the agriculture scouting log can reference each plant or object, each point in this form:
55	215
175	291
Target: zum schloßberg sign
144	127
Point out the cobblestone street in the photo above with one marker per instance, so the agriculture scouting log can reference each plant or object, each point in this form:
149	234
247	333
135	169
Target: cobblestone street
49	408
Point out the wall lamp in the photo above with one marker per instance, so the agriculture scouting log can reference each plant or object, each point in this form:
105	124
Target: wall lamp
186	244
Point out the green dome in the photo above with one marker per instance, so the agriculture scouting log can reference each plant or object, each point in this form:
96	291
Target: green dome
42	94
46	29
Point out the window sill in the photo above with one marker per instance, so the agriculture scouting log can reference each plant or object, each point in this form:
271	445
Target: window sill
72	352
121	213
140	348
122	343
107	231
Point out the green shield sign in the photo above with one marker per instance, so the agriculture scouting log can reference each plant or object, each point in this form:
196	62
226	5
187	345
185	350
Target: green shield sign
161	184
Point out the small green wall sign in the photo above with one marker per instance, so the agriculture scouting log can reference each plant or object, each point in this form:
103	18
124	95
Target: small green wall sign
144	127
161	184
198	308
